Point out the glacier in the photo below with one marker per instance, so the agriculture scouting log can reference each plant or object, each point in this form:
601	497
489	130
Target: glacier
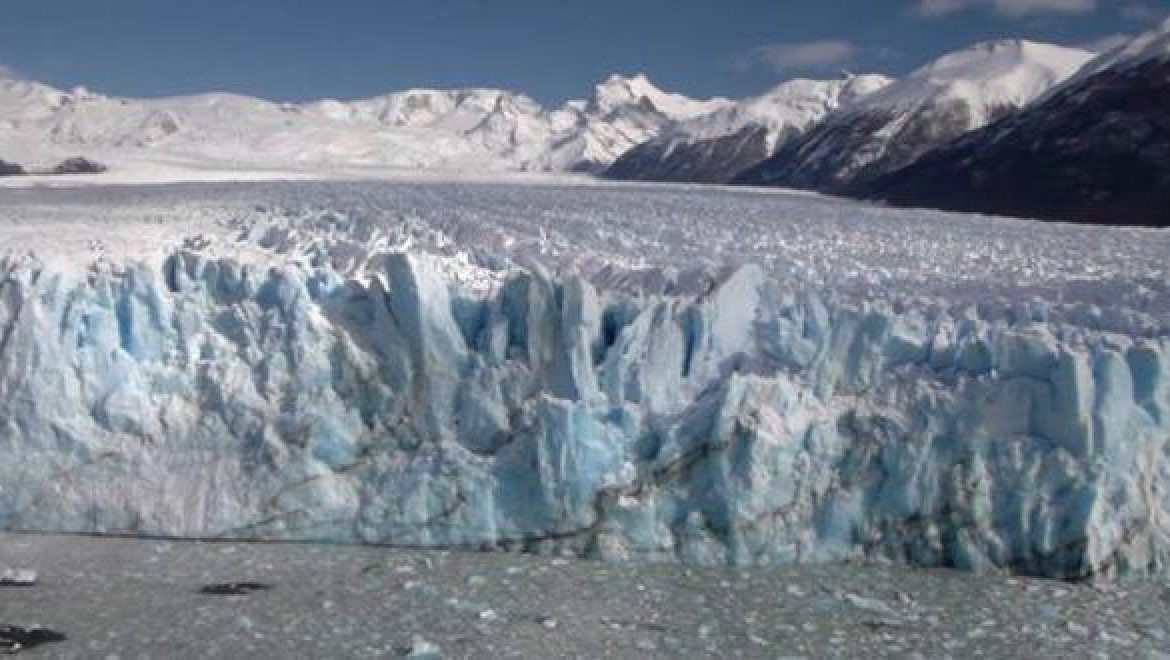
530	368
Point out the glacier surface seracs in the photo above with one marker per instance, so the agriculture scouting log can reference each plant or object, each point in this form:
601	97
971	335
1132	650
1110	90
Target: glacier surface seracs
348	383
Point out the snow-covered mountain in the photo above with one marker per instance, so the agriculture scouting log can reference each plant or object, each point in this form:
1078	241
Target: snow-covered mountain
1152	46
623	113
1096	149
891	128
715	147
450	129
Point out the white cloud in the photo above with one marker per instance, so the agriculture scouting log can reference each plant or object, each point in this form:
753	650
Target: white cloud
1010	8
804	55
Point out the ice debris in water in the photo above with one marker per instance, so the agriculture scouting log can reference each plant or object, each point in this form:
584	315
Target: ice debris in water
17	578
423	650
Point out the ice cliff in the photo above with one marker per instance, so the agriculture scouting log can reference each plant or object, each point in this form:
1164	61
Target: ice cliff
404	397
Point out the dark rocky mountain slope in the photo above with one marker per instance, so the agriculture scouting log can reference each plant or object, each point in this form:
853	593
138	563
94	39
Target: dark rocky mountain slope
1096	150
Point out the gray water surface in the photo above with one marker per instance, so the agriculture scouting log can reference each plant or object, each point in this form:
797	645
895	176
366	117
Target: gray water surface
132	598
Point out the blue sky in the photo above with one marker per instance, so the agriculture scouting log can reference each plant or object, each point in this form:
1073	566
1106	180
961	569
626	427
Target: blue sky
553	50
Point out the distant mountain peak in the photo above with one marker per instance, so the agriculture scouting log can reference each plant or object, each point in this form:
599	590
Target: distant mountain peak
1092	149
634	80
620	90
1005	72
718	145
637	91
1151	45
895	125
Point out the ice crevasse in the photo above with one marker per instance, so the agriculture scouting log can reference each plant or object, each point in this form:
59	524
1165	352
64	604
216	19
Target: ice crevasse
749	421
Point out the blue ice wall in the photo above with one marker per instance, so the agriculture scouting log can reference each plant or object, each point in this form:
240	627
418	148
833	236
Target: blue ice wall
754	422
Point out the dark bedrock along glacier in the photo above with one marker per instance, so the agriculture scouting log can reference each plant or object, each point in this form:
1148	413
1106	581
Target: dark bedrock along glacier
758	422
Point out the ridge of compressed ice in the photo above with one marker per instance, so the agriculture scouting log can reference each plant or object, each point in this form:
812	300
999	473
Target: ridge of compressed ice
748	423
317	376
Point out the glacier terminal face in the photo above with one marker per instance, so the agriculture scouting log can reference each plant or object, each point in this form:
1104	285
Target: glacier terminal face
611	371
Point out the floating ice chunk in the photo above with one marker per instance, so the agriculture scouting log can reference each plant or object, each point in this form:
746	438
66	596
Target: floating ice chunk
17	578
422	649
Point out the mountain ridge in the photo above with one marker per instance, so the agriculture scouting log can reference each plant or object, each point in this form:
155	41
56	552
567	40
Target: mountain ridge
476	128
884	131
1094	149
715	147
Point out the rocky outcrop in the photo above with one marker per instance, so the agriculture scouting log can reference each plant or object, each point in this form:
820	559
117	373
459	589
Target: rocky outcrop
79	165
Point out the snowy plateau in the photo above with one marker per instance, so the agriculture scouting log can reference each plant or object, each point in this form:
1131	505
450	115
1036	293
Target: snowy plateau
671	373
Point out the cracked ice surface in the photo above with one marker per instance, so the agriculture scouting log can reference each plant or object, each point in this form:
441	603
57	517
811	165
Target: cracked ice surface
617	371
